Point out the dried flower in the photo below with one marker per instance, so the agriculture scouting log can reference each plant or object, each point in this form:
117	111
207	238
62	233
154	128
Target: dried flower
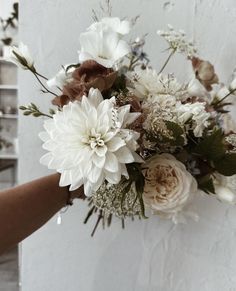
205	73
89	75
109	199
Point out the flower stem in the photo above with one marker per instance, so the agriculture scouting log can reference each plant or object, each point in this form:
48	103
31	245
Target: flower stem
45	78
167	61
219	101
41	83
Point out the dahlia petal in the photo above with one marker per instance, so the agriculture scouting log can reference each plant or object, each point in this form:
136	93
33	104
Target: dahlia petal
85	105
124	155
111	163
101	151
122	112
44	136
98	161
130	118
115	143
99	182
124	171
113	178
76	184
94	174
49	145
88	190
95	97
65	179
46	159
137	158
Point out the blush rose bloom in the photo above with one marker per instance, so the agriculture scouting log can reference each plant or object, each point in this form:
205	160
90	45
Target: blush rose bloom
168	186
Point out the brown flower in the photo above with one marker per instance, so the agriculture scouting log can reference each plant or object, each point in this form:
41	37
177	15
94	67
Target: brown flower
89	75
205	73
60	100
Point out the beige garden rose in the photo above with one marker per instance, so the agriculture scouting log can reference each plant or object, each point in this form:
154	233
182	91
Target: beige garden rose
168	185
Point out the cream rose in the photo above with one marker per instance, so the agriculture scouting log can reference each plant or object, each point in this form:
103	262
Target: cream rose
168	185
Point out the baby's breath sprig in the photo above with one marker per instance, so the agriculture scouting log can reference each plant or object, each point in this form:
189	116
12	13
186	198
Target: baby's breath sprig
33	110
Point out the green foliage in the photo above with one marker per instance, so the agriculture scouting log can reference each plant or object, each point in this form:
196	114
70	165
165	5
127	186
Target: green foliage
206	184
212	149
177	133
136	177
33	110
120	84
226	165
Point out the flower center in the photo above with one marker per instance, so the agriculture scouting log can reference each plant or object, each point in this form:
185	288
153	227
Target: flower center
95	140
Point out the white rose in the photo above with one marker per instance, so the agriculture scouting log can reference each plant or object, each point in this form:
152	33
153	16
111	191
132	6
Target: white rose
168	185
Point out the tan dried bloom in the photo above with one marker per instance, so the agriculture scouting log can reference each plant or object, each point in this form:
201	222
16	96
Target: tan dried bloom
89	75
205	73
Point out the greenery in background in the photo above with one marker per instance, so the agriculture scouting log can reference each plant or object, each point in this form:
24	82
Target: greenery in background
10	22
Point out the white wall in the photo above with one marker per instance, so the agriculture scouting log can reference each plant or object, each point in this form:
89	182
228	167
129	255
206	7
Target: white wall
6	8
149	255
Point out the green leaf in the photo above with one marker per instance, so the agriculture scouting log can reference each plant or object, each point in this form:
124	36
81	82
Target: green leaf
212	146
206	184
27	113
177	133
226	165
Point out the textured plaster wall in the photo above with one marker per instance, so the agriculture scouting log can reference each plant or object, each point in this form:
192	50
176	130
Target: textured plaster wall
152	255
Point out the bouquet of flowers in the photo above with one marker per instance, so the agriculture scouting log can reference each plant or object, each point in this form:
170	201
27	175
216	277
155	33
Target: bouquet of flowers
137	139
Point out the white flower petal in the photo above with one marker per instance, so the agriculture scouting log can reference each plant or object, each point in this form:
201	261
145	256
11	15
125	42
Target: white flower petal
111	163
113	178
115	143
124	155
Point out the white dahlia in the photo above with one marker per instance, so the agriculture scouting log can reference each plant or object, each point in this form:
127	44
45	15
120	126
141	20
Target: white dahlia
88	143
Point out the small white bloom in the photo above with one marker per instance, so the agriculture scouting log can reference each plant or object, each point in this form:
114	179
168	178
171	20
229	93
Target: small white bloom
114	23
196	113
62	78
88	142
169	187
177	41
102	45
21	57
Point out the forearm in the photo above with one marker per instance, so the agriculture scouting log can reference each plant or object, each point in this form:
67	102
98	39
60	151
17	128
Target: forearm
26	208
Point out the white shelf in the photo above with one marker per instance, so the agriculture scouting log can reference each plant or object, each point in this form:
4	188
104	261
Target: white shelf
8	87
7	156
8	116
